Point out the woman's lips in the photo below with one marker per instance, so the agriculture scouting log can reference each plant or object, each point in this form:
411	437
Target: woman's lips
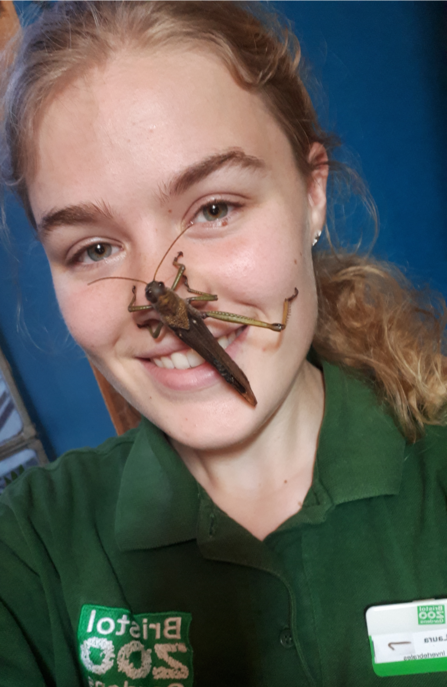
184	360
176	371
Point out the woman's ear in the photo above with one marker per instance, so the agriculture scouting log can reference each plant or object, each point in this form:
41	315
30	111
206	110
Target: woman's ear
316	189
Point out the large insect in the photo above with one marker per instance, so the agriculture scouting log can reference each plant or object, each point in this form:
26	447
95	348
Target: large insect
187	322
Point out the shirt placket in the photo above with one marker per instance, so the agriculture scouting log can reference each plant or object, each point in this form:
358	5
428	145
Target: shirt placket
277	653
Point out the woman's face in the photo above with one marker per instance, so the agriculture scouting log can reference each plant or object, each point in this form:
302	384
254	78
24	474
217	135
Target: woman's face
128	157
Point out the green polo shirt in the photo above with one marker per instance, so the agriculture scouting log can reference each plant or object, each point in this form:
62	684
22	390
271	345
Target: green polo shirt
117	569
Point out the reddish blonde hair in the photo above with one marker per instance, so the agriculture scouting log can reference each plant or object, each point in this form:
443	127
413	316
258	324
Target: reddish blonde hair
370	319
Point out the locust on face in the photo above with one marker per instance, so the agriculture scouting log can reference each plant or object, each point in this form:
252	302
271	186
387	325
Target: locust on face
187	322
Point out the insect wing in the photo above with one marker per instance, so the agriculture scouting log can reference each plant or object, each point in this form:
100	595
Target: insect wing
199	338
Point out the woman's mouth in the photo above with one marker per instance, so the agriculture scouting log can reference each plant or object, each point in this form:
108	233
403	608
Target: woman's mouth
186	370
184	360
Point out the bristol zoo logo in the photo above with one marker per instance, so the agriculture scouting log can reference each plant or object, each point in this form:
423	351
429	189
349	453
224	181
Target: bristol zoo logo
119	649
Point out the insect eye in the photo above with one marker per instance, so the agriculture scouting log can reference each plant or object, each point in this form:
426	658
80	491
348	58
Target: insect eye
160	284
99	251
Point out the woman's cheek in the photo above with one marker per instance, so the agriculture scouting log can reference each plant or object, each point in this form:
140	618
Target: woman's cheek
92	319
251	271
269	279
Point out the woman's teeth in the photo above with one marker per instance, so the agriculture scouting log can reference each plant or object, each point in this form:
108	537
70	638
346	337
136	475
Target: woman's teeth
184	361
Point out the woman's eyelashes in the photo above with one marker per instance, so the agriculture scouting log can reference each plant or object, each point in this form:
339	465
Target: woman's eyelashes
95	252
216	212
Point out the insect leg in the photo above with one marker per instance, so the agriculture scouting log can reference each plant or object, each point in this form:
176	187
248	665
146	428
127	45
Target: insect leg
181	273
286	307
134	308
201	295
241	319
181	268
155	333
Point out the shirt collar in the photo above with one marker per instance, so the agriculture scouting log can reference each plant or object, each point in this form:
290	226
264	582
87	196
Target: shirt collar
360	455
360	450
158	499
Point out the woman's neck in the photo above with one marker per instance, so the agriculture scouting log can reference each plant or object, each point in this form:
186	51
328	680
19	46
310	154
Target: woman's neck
262	483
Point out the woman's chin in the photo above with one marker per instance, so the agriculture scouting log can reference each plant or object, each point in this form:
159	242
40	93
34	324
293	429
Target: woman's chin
197	408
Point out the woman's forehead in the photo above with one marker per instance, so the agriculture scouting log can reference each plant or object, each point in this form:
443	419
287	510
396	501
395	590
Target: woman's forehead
187	97
154	112
139	91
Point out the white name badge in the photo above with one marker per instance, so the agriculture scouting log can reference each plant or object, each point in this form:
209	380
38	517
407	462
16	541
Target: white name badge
408	638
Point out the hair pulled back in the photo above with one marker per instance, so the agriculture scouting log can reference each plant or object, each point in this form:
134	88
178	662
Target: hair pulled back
71	37
369	319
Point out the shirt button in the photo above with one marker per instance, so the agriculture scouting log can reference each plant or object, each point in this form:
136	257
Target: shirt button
286	638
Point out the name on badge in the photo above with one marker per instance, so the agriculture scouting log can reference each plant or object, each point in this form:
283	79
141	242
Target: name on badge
408	638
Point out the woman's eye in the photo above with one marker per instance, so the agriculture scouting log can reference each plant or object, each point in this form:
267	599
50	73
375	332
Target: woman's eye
213	211
96	252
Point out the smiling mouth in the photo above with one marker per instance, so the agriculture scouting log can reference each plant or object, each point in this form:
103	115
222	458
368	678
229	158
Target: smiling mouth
188	359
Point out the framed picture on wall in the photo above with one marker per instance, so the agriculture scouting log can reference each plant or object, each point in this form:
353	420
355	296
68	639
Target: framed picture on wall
20	447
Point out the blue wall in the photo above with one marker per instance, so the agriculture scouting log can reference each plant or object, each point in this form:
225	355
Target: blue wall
383	80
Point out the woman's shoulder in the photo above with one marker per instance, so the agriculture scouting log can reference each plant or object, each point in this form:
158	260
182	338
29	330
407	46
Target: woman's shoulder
76	477
431	448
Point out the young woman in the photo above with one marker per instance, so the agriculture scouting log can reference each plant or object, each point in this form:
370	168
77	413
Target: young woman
225	541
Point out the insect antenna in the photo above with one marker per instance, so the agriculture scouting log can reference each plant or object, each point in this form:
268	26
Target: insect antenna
155	274
125	279
174	241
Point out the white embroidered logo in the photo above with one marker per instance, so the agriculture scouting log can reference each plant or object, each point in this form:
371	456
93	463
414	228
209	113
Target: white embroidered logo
119	646
107	650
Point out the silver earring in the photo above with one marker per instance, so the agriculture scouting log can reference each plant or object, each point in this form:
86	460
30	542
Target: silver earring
316	239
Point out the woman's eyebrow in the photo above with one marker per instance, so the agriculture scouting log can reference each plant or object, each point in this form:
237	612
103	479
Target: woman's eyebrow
200	170
84	213
92	213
